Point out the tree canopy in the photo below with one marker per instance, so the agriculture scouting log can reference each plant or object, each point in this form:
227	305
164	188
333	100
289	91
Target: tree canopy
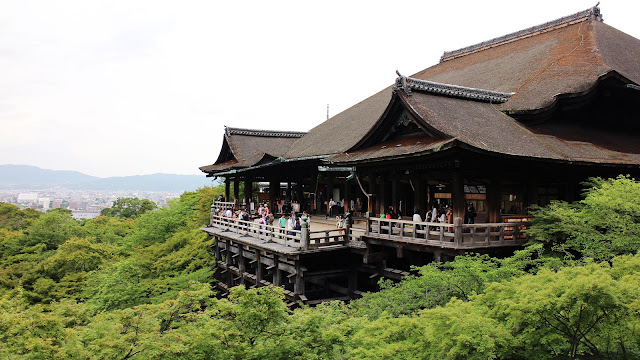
138	287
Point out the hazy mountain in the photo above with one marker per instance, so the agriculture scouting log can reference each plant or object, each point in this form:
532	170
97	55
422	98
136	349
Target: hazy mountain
31	177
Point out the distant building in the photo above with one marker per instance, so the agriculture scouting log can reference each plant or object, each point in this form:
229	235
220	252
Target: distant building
44	203
25	198
55	204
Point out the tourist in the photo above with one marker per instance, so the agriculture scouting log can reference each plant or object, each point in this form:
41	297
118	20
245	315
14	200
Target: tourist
417	219
471	214
339	223
392	213
434	213
331	205
280	203
261	210
291	223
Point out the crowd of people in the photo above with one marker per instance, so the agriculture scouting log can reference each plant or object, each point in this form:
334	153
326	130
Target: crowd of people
437	213
288	222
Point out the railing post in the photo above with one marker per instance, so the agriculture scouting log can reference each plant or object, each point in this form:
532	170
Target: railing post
457	230
366	232
347	226
304	233
347	231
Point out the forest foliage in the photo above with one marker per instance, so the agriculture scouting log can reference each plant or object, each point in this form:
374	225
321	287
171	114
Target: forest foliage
138	287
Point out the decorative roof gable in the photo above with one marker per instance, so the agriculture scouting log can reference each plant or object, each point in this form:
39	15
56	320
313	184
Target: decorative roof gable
407	84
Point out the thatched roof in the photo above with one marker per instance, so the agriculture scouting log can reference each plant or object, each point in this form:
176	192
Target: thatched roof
558	58
475	94
246	147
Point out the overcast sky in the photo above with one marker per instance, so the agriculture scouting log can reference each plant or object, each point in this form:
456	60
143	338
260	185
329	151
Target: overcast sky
113	88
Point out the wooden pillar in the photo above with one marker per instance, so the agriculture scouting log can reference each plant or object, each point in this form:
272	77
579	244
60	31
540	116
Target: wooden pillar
394	192
241	263
532	193
227	190
329	191
248	192
352	283
494	197
382	203
298	286
457	194
216	248
347	197
277	274
289	190
299	197
274	186
236	191
418	197
229	260
371	206
437	256
259	275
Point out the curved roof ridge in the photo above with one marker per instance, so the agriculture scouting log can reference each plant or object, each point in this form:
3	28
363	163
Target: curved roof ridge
591	13
263	133
407	84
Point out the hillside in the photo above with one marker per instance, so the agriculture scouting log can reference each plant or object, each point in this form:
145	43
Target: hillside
32	177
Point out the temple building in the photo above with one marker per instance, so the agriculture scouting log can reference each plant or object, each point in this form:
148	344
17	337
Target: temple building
502	125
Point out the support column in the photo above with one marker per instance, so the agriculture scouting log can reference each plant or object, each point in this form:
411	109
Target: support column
216	249
277	274
241	263
329	192
352	283
229	260
298	188
227	190
236	191
248	189
494	195
289	190
381	200
298	286
259	274
274	186
418	197
394	192
532	193
371	206
347	197
457	194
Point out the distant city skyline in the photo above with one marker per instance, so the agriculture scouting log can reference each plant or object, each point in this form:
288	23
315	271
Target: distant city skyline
132	87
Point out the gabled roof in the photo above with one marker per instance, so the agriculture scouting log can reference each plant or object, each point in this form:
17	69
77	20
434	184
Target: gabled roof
535	66
479	126
247	147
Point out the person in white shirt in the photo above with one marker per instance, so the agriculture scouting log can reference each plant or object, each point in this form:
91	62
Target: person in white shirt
417	218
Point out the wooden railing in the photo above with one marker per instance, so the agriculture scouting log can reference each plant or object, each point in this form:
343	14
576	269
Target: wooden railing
456	235
302	239
224	204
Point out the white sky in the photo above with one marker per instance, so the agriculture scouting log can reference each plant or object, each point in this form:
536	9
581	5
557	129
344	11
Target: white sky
113	88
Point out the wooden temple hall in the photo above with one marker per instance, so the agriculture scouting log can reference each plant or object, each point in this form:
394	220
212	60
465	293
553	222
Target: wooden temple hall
514	121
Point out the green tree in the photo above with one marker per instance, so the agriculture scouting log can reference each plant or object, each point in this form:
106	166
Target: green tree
129	208
12	218
576	312
603	225
437	283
